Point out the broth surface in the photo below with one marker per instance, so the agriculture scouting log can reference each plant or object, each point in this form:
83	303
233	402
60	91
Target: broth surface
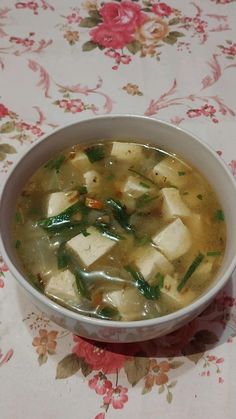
119	231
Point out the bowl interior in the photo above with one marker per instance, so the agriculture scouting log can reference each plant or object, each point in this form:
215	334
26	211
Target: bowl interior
138	129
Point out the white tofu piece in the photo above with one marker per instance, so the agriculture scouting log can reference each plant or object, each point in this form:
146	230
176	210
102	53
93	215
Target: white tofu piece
174	240
63	286
90	248
168	170
128	301
132	187
202	272
60	201
92	180
81	161
150	261
195	224
126	151
173	205
170	294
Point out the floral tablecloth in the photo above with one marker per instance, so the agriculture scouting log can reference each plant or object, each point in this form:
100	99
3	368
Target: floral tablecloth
61	61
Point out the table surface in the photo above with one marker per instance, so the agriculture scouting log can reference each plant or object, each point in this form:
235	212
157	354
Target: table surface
61	61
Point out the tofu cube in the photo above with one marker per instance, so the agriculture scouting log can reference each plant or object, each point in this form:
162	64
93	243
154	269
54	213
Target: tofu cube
92	180
173	205
129	303
90	248
59	201
174	240
133	188
170	294
81	161
126	151
150	261
169	170
63	286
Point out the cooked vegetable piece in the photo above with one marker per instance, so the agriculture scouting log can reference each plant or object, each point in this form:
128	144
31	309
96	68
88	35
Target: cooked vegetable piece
55	164
151	292
64	217
192	268
95	153
119	213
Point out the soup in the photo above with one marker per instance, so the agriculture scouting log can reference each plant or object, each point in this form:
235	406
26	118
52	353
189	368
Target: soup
119	231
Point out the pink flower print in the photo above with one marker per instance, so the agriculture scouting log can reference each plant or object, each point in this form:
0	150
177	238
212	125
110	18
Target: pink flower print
220	361
116	397
76	105
125	16
193	113
162	9
230	50
100	416
32	5
208	110
106	37
100	384
211	358
28	42
232	165
73	18
221	380
1	283
3	111
20	5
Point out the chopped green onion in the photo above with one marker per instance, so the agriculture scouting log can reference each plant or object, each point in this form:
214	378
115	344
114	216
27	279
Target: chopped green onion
95	153
145	185
18	218
185	193
181	173
215	253
151	292
17	244
83	190
141	241
194	265
160	279
63	257
145	199
143	176
55	163
107	312
111	176
64	217
106	230
199	196
119	213
219	215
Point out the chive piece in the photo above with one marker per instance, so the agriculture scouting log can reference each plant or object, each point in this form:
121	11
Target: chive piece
215	253
145	199
111	176
185	193
199	196
194	265
151	292
107	312
160	279
95	153
219	215
63	257
143	176
80	283
145	185
64	217
18	218
141	241
17	244
83	190
107	231
119	213
181	173
55	164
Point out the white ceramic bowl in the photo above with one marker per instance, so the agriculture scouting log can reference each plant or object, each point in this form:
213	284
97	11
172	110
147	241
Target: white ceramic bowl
139	129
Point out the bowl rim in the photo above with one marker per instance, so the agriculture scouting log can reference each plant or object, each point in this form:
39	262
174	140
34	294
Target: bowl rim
92	321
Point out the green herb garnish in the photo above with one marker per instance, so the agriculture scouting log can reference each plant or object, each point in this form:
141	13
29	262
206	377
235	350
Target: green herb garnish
145	185
111	176
95	153
106	230
83	190
151	292
194	265
160	279
18	218
119	213
64	218
63	258
214	253
55	164
17	244
141	241
145	199
185	193
181	173
143	176
107	312
219	215
80	282
199	196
